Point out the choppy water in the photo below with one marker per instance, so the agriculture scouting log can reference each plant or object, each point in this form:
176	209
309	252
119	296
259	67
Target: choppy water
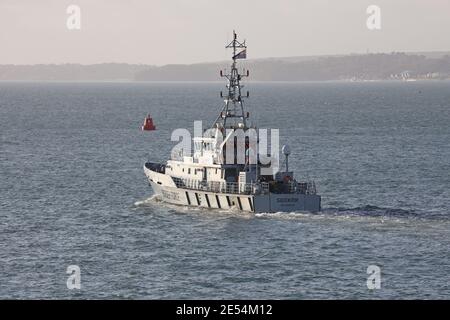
72	191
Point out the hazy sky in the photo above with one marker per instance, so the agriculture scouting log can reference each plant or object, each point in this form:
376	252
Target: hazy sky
188	31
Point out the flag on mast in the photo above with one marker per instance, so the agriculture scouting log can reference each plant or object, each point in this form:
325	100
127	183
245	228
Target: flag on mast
241	55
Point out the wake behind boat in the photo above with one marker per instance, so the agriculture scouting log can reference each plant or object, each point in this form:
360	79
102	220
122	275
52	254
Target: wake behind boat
212	177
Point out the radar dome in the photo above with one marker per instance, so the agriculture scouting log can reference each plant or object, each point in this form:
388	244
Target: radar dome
286	150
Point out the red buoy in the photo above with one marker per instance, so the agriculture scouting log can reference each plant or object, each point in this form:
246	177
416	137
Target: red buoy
148	123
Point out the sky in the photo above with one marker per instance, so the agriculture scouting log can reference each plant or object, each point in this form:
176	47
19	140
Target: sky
160	32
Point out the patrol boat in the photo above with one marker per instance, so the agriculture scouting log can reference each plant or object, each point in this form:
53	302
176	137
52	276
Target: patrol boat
212	177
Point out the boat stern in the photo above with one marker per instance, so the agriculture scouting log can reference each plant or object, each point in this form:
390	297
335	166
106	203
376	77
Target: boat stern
288	202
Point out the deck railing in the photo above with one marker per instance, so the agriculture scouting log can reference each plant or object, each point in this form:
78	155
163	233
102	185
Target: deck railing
241	188
222	187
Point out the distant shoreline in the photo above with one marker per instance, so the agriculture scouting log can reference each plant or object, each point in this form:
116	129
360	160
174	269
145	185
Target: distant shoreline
356	68
216	82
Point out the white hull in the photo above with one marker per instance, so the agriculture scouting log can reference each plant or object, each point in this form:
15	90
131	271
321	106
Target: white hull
163	186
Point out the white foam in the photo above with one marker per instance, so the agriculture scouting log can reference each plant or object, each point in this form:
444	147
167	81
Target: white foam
154	198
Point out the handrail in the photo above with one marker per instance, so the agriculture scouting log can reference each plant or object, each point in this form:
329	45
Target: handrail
221	187
241	188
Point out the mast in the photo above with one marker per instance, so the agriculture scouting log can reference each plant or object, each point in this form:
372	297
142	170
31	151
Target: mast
233	113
